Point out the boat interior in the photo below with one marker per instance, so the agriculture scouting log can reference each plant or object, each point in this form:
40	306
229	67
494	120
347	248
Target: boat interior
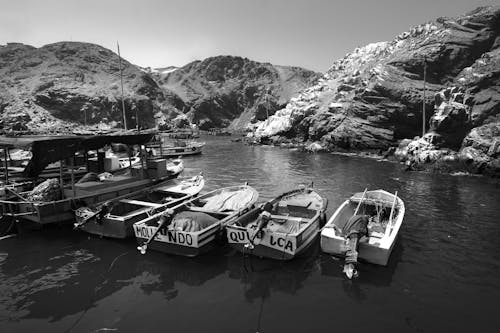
140	204
379	212
219	205
285	216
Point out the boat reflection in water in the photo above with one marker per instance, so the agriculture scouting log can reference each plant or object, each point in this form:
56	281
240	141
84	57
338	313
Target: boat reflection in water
260	277
370	275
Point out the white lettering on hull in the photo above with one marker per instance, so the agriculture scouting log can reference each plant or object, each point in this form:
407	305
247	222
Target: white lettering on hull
279	242
167	236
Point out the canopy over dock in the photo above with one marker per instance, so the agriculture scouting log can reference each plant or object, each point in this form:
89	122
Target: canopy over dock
49	149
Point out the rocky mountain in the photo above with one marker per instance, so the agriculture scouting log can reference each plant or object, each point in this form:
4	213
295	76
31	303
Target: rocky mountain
372	98
59	85
227	91
68	84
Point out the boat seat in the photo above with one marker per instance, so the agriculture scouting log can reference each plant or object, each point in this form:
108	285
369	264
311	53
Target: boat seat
201	210
284	218
141	203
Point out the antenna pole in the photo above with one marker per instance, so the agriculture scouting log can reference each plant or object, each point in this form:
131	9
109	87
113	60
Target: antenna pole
121	81
423	102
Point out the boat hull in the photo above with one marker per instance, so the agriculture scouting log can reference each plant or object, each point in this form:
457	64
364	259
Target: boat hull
280	245
188	244
116	225
372	254
273	246
110	228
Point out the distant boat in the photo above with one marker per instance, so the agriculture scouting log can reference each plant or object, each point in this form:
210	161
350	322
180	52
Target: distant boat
163	147
282	228
386	212
194	226
115	218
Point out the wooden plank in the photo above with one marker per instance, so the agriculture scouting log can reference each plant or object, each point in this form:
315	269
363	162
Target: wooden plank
141	203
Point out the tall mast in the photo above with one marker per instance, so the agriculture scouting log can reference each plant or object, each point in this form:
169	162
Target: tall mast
267	102
423	102
121	81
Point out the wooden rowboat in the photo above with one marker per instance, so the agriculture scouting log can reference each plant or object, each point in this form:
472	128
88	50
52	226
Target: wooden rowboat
282	228
194	226
115	218
386	213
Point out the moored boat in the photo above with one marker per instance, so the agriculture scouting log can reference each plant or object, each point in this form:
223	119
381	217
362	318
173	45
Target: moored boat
115	218
39	207
175	166
282	228
164	147
383	214
194	226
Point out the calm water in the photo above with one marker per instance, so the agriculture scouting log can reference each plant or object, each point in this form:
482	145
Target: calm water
444	273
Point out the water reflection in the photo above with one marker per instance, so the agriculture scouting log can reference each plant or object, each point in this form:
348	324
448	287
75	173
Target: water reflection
60	266
168	270
263	277
370	275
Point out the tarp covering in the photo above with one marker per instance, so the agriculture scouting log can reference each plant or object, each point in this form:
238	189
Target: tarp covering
191	221
229	200
285	227
357	224
49	149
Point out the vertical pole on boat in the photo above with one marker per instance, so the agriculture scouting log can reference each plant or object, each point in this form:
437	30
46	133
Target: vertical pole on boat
137	120
130	158
423	101
73	175
267	103
360	201
390	224
61	184
86	157
161	145
121	81
6	164
142	156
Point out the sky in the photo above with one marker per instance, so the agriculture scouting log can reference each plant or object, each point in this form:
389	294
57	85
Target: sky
159	33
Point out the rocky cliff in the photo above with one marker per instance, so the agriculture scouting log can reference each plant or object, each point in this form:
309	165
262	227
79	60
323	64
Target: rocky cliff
372	98
59	85
227	91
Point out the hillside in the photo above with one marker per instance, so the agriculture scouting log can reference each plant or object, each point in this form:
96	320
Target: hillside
372	98
59	86
227	91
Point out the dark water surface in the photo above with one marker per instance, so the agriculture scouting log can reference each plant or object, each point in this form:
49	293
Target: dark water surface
443	276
